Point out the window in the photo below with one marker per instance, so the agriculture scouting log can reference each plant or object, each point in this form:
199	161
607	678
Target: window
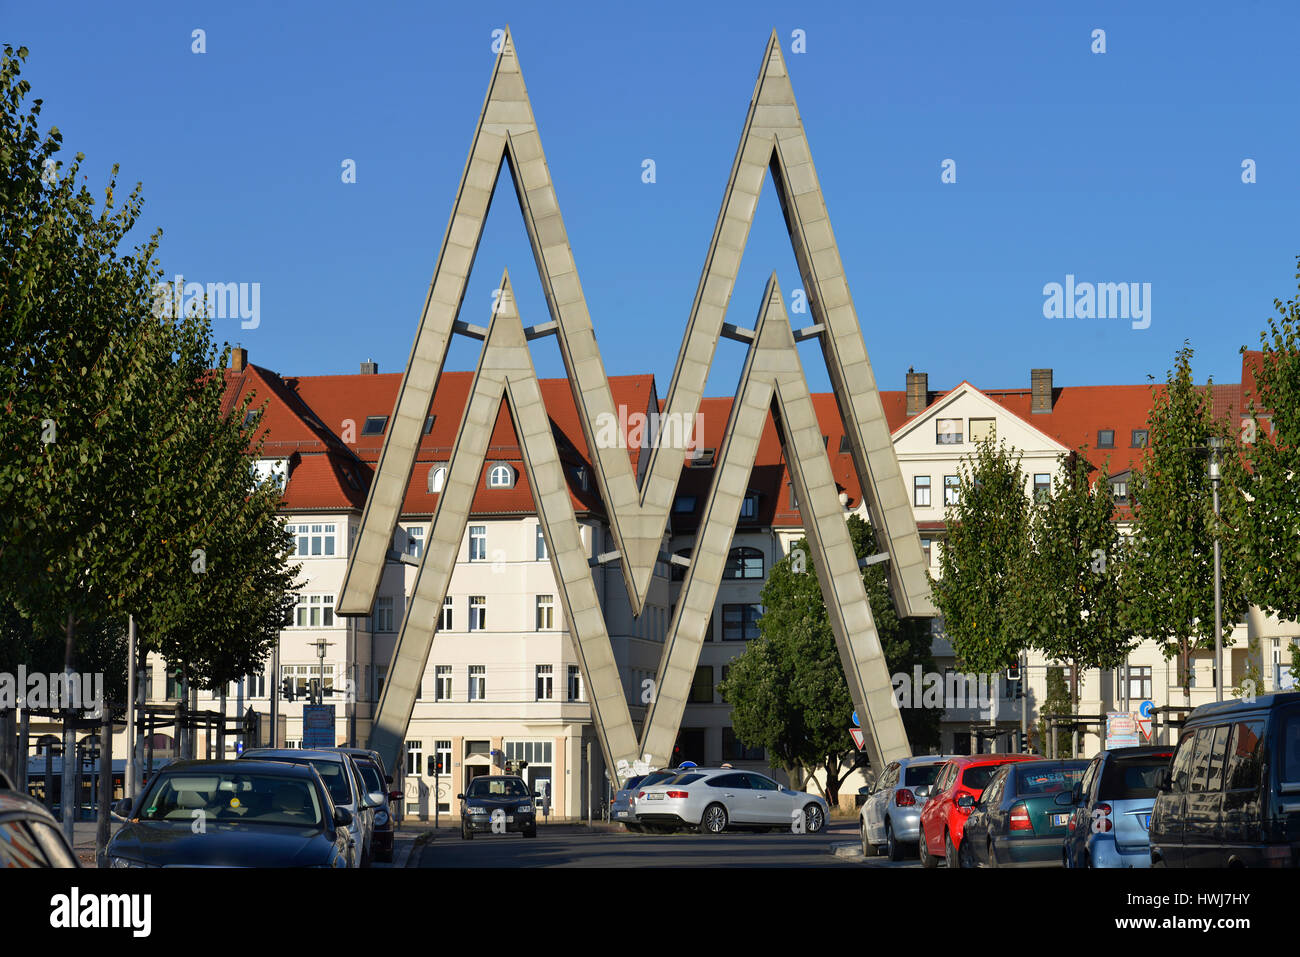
951	490
743	563
314	611
981	429
255	685
251	416
314	540
1042	486
700	458
749	506
1139	682
545	612
1290	740
677	571
948	431
845	446
1119	489
542	554
415	541
477	612
374	425
733	749
428	423
580	476
445	621
534	752
684	505
442	683
702	686
1244	756
921	491
437	478
1199	777
414	757
501	476
794	499
575	683
384	613
545	683
477	682
1138	439
925	549
477	543
1106	439
740	622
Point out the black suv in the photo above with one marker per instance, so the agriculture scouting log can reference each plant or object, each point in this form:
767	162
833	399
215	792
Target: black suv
496	804
1231	798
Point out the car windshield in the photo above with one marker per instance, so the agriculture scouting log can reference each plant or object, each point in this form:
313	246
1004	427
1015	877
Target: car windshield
370	774
1131	778
497	787
920	775
633	783
244	797
978	778
687	778
657	777
1030	781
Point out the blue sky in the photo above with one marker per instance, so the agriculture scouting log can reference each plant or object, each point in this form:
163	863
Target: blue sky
1123	166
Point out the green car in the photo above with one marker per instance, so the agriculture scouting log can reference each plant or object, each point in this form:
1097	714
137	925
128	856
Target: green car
1018	822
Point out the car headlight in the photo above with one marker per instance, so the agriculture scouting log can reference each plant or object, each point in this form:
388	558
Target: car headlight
381	818
126	862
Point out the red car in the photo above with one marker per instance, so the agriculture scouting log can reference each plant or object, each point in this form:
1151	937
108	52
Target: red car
956	789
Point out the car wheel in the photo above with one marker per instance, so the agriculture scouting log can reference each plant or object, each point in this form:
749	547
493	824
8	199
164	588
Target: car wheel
466	834
868	849
814	818
634	828
927	859
892	846
714	819
949	851
965	857
1087	861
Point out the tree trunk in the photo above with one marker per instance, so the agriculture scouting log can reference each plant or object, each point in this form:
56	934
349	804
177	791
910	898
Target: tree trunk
105	786
67	799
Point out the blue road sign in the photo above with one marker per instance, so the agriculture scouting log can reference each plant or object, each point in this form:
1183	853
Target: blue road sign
855	720
1146	708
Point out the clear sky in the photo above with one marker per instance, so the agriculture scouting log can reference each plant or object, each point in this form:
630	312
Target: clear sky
1122	166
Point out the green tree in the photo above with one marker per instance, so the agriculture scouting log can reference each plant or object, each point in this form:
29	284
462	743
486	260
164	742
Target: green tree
987	539
787	690
1267	513
1056	702
1168	574
1068	602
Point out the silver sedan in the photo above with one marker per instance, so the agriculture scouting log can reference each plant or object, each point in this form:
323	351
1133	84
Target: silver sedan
713	800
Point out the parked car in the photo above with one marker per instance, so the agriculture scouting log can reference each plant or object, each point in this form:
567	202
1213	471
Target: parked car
714	799
1231	797
342	780
29	834
1111	808
890	817
1018	821
620	805
253	813
645	781
951	798
497	804
380	798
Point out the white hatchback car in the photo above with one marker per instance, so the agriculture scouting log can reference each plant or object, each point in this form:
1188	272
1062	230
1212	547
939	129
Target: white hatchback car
714	799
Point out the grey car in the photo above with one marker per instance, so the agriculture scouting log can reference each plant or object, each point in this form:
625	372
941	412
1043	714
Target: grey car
715	799
890	818
346	789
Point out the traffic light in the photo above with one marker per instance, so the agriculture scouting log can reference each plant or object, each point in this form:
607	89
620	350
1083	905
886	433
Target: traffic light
286	689
1013	671
1023	740
430	766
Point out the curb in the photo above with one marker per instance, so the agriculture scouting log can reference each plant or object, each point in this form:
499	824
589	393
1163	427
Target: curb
850	851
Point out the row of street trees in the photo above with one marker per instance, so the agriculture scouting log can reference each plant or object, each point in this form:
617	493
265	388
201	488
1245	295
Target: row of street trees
125	486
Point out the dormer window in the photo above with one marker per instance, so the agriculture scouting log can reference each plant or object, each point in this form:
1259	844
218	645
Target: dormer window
437	478
749	506
501	476
684	505
1106	439
428	423
374	425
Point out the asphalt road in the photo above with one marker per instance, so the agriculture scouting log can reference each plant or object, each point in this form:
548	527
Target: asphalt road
578	847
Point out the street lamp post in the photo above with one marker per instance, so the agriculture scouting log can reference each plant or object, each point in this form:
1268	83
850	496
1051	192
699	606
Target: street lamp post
1215	443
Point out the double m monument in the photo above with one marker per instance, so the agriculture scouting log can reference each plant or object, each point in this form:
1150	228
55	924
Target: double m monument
772	382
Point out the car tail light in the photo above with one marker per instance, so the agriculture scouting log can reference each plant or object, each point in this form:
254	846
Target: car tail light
1020	818
1101	819
904	798
640	794
679	794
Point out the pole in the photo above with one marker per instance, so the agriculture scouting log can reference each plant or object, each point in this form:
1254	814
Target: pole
24	743
590	779
275	694
128	782
105	786
1024	700
1218	602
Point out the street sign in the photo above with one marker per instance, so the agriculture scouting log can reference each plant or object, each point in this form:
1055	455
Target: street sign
1146	708
856	722
859	739
1144	725
1121	730
318	726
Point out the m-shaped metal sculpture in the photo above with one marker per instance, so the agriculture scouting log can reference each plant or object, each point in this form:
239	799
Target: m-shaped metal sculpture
772	382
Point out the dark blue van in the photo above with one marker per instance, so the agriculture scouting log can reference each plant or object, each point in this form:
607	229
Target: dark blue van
1231	796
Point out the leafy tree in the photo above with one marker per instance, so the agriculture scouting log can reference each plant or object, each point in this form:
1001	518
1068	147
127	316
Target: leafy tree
986	544
1068	604
1267	514
1168	577
1057	701
787	690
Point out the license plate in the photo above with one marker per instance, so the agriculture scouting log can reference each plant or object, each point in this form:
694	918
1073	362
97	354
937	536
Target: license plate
622	814
1146	821
1060	820
654	797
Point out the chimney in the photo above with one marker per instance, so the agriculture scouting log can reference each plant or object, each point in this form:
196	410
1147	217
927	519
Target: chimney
238	359
369	367
918	392
1041	384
